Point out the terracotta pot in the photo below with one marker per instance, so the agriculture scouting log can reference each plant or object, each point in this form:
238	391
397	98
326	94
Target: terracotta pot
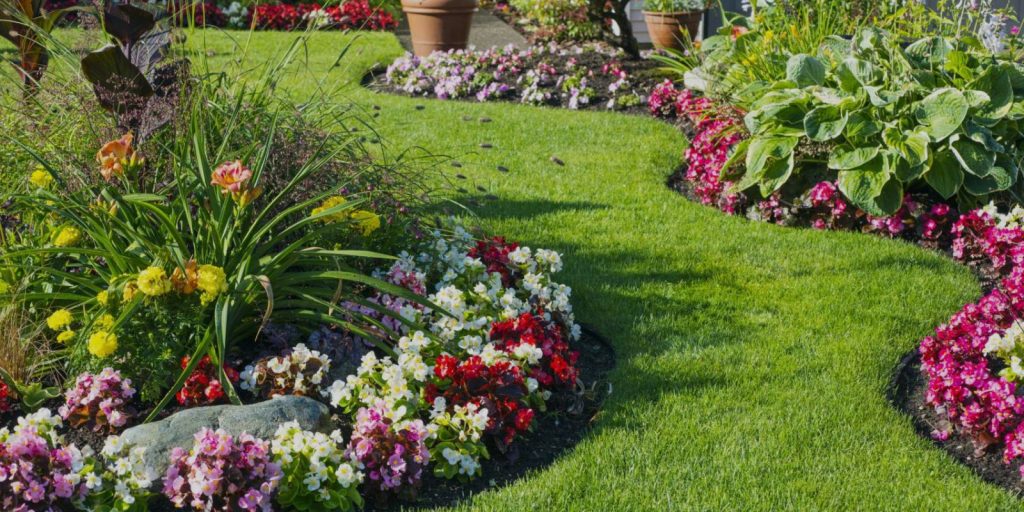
665	27
438	24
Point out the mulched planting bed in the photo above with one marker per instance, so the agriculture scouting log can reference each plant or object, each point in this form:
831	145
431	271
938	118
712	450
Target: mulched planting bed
907	393
588	77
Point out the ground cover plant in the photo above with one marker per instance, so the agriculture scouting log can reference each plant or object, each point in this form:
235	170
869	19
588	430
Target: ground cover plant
573	77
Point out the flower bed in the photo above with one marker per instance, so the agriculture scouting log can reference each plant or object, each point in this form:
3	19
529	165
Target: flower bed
573	77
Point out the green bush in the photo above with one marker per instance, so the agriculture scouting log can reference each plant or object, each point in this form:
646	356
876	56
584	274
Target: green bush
938	114
561	20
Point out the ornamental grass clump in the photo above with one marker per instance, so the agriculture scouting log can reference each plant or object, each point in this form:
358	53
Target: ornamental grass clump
221	472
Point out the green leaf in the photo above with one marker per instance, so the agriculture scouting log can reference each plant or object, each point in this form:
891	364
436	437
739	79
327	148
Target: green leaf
835	48
860	127
996	83
805	70
997	180
983	136
931	50
907	173
945	174
973	157
869	187
763	150
824	123
854	74
847	157
942	112
959	63
775	174
911	146
882	98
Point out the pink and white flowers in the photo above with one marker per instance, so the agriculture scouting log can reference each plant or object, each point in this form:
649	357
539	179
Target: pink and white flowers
100	400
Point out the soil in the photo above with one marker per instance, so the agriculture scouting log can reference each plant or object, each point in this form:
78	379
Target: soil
643	75
907	393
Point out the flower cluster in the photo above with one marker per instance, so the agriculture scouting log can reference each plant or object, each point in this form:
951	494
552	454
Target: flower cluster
664	100
350	15
100	400
118	157
456	439
223	473
393	453
540	346
986	235
827	207
203	386
395	385
299	372
316	473
715	133
126	477
499	388
365	220
540	75
38	472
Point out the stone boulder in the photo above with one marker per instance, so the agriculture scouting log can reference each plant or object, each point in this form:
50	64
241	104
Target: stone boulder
259	419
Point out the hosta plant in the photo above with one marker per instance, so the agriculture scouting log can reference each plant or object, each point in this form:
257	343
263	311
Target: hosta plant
938	114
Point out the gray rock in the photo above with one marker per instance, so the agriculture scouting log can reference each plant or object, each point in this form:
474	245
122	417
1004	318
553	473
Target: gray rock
259	419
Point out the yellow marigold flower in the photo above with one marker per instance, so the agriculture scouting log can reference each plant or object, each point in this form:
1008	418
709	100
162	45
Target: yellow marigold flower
130	289
367	221
331	202
105	322
67	237
59	319
103	297
41	178
153	282
66	336
212	281
102	343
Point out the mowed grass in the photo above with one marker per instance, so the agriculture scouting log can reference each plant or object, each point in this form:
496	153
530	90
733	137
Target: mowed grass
752	359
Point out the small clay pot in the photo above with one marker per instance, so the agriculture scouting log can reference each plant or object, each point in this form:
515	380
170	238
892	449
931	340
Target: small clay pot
438	24
665	28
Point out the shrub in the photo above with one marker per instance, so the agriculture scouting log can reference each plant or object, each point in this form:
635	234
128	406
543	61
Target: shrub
316	474
559	20
676	5
100	401
223	473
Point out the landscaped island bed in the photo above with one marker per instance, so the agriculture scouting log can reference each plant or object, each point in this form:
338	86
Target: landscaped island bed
728	365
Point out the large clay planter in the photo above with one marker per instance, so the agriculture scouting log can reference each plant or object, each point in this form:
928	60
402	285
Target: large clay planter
438	24
665	27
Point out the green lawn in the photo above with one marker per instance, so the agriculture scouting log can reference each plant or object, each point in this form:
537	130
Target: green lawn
752	359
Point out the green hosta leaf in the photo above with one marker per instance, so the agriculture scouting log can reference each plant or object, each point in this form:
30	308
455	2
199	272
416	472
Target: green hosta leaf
1015	71
835	48
730	171
942	112
907	173
854	73
847	157
997	180
931	50
945	174
805	70
830	96
763	150
882	98
860	127
872	188
779	117
983	136
824	123
959	63
775	174
976	99
911	146
996	83
973	157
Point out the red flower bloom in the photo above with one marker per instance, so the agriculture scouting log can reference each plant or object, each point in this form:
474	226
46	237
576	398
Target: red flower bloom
494	255
557	366
203	387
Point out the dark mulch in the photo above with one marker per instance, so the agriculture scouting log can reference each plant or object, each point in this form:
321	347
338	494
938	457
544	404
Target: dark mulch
643	75
907	393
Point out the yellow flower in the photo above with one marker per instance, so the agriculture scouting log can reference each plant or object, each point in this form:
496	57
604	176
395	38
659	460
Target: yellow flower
66	336
41	178
331	202
130	289
103	297
105	322
154	282
67	237
367	221
4	286
59	319
212	282
102	343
